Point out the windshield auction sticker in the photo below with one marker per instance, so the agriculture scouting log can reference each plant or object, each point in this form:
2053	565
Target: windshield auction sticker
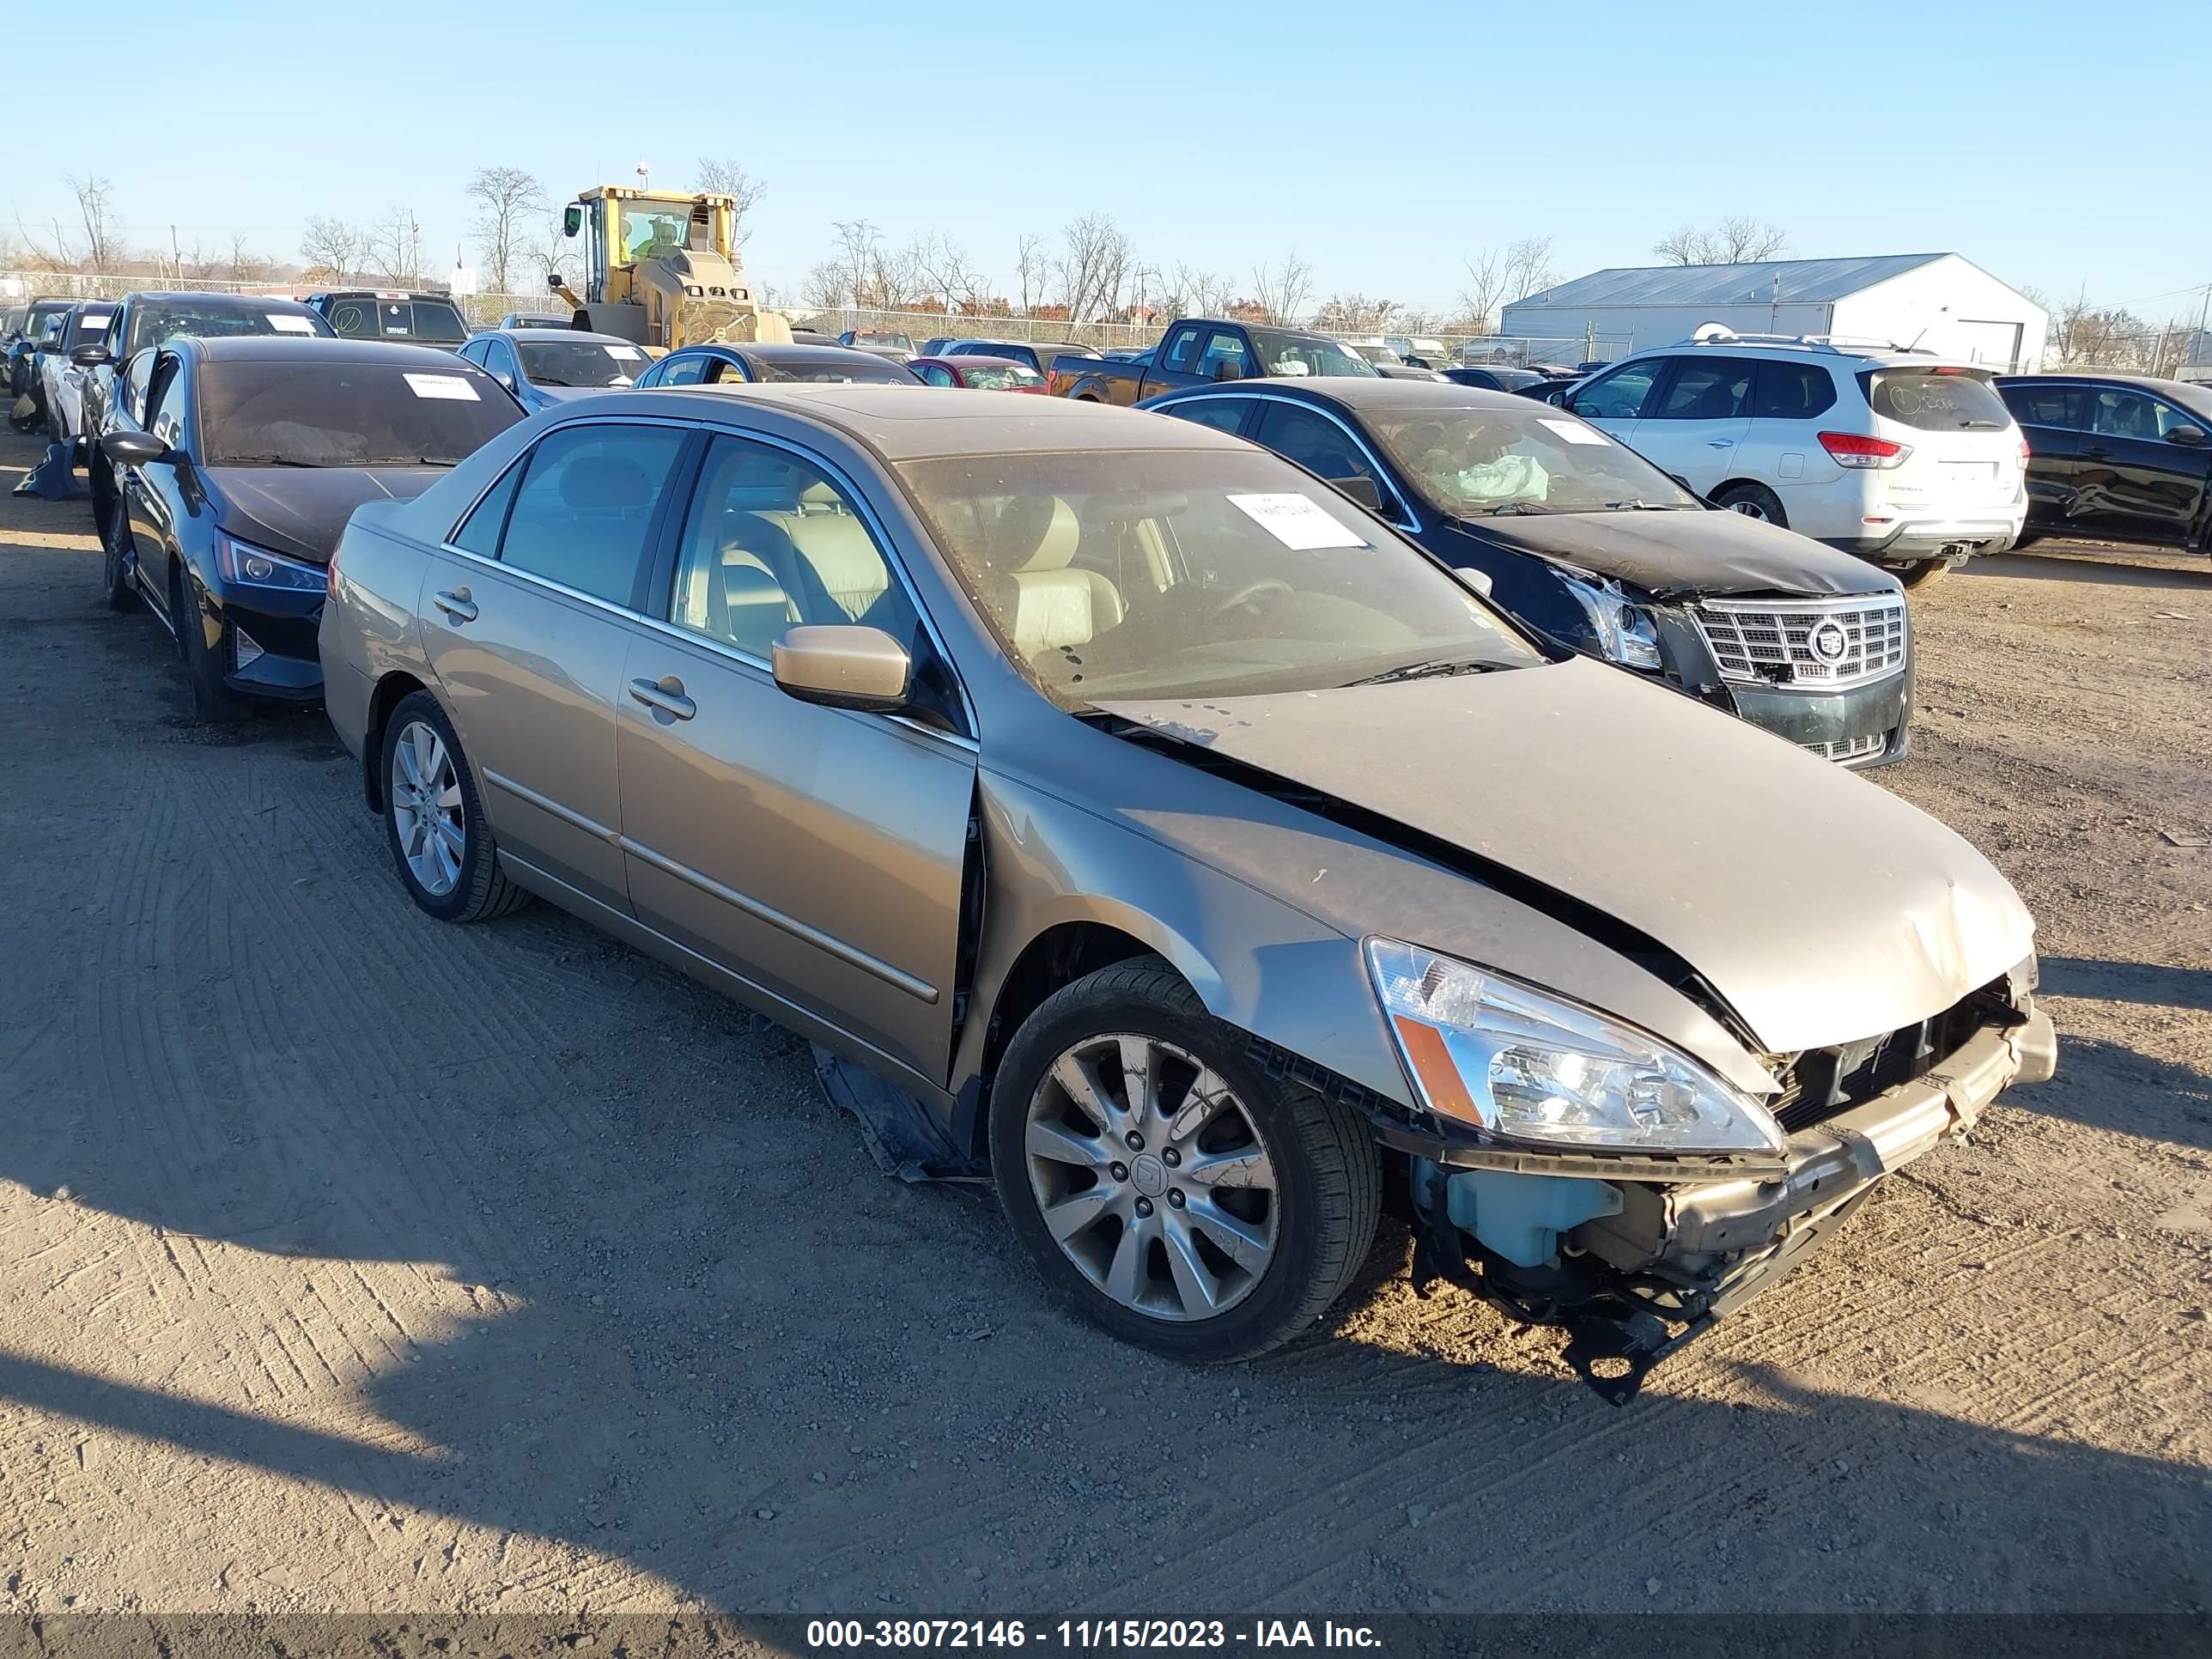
1298	521
289	324
1574	432
442	385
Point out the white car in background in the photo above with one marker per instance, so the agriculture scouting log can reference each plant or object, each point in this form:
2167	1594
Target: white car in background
1909	460
62	379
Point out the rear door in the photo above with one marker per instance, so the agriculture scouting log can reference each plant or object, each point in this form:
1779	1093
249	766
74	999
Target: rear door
1699	420
1964	447
1788	398
2052	416
2133	480
816	853
526	616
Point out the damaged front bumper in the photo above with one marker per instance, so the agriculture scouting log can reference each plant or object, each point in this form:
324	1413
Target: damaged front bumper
1641	1270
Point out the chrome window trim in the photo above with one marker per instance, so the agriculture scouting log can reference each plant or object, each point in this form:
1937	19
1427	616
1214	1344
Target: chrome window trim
1413	528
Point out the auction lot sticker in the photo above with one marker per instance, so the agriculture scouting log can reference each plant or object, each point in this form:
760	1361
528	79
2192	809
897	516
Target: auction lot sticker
1298	521
443	385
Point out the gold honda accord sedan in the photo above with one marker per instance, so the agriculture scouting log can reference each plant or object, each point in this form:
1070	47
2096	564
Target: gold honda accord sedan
1127	814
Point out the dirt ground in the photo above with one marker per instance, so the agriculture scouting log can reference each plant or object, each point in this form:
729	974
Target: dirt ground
349	1261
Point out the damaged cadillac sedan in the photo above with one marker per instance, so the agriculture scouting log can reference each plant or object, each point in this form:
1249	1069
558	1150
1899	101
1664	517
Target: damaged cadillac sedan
1131	819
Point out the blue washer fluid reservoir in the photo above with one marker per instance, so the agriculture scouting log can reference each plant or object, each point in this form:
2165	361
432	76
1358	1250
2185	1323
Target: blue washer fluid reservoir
1520	1217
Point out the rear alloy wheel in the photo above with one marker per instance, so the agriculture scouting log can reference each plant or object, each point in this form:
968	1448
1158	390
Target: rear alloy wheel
1165	1187
434	821
1753	501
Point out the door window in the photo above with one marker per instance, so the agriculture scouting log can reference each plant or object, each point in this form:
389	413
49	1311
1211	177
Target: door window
2061	406
1315	443
1707	390
1175	355
1222	414
770	541
1791	392
1225	346
135	377
726	371
935	374
474	351
163	418
585	508
1619	396
479	531
682	371
2114	412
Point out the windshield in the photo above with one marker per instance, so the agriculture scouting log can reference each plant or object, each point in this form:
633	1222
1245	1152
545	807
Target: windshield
1185	572
337	413
1000	377
90	326
1306	354
432	322
580	362
896	342
153	321
874	370
652	233
1472	461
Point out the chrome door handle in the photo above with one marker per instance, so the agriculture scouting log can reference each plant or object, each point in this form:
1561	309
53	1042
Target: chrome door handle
460	606
666	695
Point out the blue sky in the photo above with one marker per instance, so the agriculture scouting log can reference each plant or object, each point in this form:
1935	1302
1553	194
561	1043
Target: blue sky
1382	141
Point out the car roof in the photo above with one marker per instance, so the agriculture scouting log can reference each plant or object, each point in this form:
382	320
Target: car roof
1883	356
1357	392
313	349
383	294
905	423
802	352
970	359
535	336
2101	377
218	301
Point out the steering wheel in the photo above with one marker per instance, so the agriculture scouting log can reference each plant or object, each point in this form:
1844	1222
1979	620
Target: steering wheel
1252	590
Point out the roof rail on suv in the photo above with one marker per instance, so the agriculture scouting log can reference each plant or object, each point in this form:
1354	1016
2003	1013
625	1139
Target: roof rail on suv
1839	345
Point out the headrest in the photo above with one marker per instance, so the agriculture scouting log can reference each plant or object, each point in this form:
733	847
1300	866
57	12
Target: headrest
605	480
1056	548
821	496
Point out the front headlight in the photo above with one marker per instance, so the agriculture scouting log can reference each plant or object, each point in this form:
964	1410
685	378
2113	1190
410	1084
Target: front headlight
1626	633
257	566
1496	1055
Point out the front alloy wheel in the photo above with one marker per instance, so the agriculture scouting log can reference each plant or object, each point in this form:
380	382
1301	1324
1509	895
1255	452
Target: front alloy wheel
1152	1176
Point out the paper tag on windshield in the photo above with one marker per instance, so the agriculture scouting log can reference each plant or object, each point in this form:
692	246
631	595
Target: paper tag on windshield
1296	522
622	354
1574	432
442	385
94	319
289	324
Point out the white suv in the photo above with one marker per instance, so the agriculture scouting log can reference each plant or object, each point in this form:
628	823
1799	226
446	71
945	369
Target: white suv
1905	459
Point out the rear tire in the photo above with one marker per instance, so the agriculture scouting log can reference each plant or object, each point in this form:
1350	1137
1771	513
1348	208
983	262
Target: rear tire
1926	574
430	802
1264	1208
1753	501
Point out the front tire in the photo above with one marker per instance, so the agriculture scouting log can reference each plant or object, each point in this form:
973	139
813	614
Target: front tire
1753	501
434	821
214	703
1167	1188
115	564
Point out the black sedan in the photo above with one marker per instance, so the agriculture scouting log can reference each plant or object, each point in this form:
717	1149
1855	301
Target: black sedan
1494	377
237	462
2116	457
1591	544
726	365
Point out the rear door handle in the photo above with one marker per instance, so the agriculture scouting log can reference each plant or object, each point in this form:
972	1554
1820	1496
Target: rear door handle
2097	452
1720	443
666	695
460	606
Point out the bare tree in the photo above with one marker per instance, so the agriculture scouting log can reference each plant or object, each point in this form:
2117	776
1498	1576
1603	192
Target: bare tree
1032	269
860	254
1095	262
827	287
95	202
1200	293
722	175
395	246
505	197
1356	314
1525	269
1737	240
333	245
1478	299
944	267
1281	290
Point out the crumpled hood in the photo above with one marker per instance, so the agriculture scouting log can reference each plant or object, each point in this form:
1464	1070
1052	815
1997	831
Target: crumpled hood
301	511
1822	907
1687	553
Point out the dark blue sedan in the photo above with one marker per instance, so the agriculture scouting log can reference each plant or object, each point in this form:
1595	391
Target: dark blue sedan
741	362
542	367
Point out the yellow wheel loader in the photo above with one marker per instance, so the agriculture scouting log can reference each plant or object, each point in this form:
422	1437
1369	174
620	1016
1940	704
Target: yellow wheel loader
662	270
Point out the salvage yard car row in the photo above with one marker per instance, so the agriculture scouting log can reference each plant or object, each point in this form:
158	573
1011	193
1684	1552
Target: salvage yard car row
1198	836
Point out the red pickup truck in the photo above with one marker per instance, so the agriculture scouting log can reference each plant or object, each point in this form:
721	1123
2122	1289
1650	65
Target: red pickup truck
1195	350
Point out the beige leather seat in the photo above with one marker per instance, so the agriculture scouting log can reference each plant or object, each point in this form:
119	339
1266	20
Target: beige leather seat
830	538
1055	605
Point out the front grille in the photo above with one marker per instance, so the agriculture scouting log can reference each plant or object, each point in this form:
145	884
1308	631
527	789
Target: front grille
1819	1082
1849	751
1823	643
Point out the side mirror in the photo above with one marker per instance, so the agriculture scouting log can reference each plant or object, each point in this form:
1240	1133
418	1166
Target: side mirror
1363	491
1226	369
132	448
2191	437
1477	579
572	218
91	356
843	665
504	379
553	282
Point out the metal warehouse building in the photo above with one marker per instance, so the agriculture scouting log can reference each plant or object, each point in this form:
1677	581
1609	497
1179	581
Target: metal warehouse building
1937	302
